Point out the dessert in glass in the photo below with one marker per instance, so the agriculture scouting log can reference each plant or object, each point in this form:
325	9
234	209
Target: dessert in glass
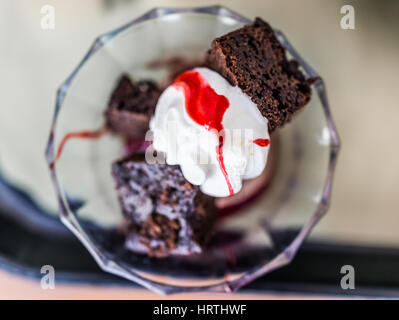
192	149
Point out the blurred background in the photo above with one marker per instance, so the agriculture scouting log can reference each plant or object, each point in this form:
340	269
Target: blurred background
359	67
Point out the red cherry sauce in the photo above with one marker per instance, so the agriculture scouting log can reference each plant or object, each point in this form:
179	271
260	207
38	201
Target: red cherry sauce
206	108
262	142
85	134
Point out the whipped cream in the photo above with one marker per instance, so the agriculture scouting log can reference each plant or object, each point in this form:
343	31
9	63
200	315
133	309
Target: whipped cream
212	130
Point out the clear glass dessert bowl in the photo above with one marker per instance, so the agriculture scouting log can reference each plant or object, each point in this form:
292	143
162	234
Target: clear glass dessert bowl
261	237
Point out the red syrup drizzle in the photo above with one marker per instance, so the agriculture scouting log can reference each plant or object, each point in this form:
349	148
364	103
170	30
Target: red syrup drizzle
85	134
262	142
206	108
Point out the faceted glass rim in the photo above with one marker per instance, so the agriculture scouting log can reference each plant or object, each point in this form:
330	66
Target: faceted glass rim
285	257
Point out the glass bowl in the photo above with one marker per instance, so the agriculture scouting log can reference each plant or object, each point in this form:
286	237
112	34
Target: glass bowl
264	236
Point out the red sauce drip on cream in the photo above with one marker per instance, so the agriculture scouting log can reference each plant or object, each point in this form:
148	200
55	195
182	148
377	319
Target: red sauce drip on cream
206	108
262	142
86	134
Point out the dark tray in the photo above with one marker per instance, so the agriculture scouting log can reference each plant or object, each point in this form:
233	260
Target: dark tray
30	238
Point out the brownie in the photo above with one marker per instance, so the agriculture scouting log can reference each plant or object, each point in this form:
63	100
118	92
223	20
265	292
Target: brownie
166	214
131	106
254	60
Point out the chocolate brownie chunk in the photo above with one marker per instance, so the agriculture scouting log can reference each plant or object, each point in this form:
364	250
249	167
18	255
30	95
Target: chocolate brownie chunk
166	214
131	106
254	60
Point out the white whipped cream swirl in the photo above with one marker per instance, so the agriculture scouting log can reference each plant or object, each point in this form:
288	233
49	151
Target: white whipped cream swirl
195	148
